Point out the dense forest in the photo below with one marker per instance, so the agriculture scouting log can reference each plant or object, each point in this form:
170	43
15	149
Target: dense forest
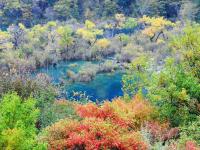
31	12
99	75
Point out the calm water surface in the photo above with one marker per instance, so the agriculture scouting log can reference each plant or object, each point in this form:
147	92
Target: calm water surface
104	86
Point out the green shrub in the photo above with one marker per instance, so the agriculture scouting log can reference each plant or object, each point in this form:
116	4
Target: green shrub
17	123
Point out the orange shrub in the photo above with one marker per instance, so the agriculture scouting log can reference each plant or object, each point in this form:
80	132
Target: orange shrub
126	114
112	125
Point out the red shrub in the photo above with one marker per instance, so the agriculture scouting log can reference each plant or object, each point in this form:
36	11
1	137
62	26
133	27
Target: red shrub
156	129
112	125
92	134
161	131
171	133
191	145
132	114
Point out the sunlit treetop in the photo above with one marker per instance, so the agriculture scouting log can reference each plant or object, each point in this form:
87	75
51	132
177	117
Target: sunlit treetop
65	33
52	24
125	39
89	24
40	33
130	23
21	26
89	32
4	35
5	40
159	22
36	31
155	25
102	43
140	63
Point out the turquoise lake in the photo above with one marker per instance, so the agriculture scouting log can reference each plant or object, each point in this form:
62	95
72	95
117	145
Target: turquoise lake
104	86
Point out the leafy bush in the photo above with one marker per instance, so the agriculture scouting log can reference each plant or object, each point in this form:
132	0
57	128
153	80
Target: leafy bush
187	45
191	132
113	125
56	111
25	86
131	114
130	23
136	78
91	134
17	123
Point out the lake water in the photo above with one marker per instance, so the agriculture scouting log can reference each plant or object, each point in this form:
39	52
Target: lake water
104	86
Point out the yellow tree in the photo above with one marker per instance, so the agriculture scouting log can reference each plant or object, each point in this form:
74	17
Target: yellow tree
155	26
5	41
65	34
103	43
89	24
89	32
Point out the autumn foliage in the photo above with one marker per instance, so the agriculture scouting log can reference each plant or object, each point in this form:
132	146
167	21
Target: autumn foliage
113	125
161	131
89	32
155	25
125	114
92	134
191	145
103	43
